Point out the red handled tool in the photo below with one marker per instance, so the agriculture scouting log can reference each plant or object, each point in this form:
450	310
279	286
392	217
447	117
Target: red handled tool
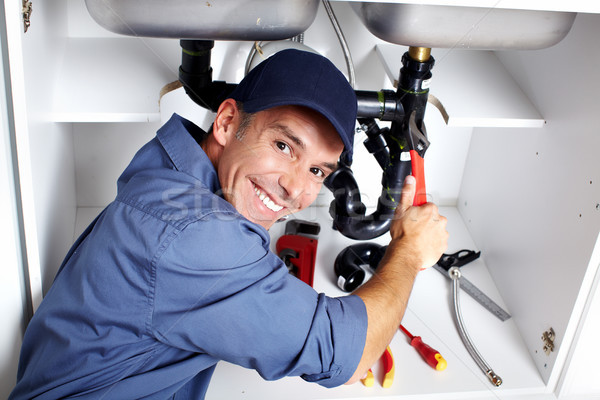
369	379
388	369
430	355
298	248
417	164
418	144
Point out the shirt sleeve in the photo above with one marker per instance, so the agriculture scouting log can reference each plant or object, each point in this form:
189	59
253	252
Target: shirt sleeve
219	290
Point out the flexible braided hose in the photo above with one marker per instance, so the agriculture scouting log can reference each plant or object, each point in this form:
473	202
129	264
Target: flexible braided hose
484	366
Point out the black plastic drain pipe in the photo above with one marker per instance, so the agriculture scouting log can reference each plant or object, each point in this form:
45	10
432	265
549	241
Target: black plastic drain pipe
195	74
390	147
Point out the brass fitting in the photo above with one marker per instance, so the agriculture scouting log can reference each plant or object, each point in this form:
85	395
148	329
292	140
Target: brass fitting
420	54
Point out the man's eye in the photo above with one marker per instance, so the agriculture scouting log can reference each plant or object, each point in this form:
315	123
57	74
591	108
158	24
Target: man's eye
283	147
317	172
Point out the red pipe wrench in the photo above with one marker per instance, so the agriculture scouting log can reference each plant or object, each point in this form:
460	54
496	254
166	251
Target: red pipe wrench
298	248
417	144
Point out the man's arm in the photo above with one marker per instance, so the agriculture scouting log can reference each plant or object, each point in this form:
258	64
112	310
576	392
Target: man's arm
419	238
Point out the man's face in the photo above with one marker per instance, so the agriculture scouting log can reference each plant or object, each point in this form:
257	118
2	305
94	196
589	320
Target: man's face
279	164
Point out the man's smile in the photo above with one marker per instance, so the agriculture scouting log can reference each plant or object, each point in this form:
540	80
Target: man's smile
267	201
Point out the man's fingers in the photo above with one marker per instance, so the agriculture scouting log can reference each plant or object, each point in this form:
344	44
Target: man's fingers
408	193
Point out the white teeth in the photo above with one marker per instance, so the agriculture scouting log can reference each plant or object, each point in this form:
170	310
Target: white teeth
267	201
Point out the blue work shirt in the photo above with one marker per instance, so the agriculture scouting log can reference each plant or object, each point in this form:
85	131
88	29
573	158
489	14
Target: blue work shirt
168	280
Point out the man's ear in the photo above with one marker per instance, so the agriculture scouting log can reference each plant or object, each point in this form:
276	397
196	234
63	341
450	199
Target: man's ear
226	122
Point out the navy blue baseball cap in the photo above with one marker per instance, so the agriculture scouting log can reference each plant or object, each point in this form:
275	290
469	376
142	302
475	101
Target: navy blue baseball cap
297	77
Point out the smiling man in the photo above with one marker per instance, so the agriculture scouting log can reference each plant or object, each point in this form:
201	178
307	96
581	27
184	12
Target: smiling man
275	165
176	273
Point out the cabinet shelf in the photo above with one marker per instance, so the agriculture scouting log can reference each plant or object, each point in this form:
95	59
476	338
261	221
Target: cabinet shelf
119	80
473	86
114	79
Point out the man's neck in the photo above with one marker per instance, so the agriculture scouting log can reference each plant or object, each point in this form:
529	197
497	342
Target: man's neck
212	149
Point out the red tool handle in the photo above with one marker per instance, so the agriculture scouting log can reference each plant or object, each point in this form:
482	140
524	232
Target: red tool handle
430	355
417	165
388	368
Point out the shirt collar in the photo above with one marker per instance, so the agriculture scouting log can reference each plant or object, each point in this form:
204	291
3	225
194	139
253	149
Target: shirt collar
177	138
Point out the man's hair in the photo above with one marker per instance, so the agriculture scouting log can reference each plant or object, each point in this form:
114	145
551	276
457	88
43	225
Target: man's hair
245	120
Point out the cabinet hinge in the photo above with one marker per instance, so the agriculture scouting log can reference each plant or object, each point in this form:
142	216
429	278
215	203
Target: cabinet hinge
26	11
548	339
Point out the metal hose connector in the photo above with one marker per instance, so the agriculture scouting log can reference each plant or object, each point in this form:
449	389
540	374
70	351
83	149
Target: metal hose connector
454	273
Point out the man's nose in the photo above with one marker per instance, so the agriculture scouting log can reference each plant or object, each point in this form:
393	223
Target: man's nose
294	185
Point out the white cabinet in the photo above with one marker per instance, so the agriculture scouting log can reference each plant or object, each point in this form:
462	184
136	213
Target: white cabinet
13	305
85	100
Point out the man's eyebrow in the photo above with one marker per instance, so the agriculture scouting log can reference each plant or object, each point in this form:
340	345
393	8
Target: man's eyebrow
330	166
289	134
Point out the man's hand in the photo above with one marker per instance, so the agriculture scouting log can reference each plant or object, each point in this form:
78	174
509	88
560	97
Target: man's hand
419	239
421	228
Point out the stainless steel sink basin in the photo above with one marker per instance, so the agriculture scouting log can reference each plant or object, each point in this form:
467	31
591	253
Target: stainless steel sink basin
464	27
205	19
